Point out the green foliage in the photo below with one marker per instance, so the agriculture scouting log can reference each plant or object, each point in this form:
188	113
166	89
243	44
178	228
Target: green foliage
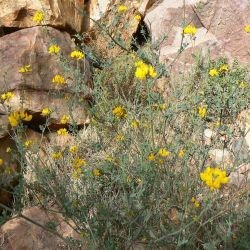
133	177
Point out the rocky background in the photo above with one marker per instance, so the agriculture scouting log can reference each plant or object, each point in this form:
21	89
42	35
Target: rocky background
23	42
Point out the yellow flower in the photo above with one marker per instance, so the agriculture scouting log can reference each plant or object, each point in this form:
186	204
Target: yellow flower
214	177
181	153
109	158
243	84
58	79
7	96
77	54
96	172
134	124
76	173
38	17
46	112
13	119
223	68
25	69
138	180
190	30
151	157
57	155
202	111
78	162
213	72
62	131
64	119
120	137
129	179
161	161
143	70
137	17
163	152
73	149
1	162
27	143
196	202
247	28
25	116
8	150
122	8
163	106
152	72
119	112
54	49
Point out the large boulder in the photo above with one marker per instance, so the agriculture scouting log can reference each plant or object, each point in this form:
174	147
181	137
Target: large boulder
34	90
20	233
62	14
220	29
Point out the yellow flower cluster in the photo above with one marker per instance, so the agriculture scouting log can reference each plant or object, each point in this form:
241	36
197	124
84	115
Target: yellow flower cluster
181	153
46	112
143	70
77	54
120	137
213	72
137	17
7	96
247	28
57	155
163	152
190	30
214	177
78	162
96	172
161	155
27	143
122	8
119	112
73	149
77	165
1	162
39	16
25	69
58	79
222	69
62	131
54	49
134	124
16	116
196	202
202	111
65	119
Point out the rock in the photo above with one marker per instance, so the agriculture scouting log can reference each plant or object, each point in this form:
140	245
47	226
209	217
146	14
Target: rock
19	233
208	134
125	20
35	90
240	176
97	9
243	121
62	14
217	24
220	156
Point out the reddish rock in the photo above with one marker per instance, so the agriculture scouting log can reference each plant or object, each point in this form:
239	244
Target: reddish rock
63	14
19	233
220	29
35	90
